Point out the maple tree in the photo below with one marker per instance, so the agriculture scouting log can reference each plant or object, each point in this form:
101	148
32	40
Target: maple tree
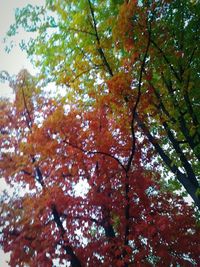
168	112
122	219
153	43
89	138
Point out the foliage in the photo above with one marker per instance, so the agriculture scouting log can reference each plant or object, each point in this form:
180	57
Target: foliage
92	194
154	44
168	111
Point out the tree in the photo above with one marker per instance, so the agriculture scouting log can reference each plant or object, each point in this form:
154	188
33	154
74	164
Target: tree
89	43
52	145
168	112
122	219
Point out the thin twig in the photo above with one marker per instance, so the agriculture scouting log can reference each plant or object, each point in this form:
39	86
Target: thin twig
96	152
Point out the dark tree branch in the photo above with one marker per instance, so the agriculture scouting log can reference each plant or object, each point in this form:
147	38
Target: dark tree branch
75	262
161	104
28	119
181	119
100	49
142	69
80	74
96	153
133	146
182	178
25	172
166	60
185	162
190	108
191	57
108	228
81	31
176	143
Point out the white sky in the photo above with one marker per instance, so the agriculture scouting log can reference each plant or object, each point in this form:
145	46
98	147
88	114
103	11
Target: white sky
16	59
12	62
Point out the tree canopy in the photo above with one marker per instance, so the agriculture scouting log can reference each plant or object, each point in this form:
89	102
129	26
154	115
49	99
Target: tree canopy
94	157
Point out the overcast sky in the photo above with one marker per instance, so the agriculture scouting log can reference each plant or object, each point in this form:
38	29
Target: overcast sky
12	62
16	59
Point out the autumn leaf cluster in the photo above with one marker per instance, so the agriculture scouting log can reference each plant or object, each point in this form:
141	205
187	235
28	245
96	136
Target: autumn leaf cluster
90	163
